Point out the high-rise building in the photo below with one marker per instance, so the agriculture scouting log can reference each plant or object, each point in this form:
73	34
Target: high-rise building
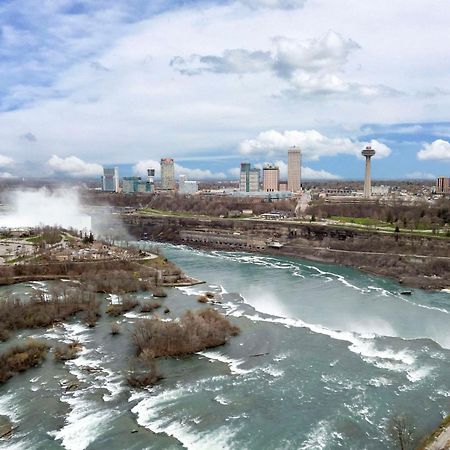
110	179
249	180
294	169
368	152
167	174
443	185
271	178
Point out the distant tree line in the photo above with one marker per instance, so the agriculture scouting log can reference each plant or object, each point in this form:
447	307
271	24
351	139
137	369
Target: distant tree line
406	215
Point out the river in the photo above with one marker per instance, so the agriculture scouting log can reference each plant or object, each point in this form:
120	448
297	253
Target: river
326	356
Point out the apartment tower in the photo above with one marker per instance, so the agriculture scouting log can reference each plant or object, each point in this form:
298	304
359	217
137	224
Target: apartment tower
249	179
167	174
294	169
271	178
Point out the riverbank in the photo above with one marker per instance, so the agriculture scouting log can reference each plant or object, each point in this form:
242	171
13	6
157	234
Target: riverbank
440	438
414	261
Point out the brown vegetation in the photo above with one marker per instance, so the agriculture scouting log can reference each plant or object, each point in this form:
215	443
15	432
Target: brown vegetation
20	358
148	307
147	375
126	304
39	311
199	204
202	298
195	331
421	215
158	291
118	281
65	352
115	329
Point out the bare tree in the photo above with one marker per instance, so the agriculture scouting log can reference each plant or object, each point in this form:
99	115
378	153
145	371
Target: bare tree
401	432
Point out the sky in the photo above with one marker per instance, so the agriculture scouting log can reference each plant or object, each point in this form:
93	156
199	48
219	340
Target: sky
86	84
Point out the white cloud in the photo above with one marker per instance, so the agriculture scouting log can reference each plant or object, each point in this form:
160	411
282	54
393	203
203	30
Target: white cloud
309	66
234	172
6	175
420	176
6	161
312	174
314	145
327	52
141	167
307	172
74	167
329	84
438	149
273	4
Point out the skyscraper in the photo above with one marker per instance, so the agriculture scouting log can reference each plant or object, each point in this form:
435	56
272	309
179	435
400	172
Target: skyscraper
294	169
167	174
249	178
110	179
271	178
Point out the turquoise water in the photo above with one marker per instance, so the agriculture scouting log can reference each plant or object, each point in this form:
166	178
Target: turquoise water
325	357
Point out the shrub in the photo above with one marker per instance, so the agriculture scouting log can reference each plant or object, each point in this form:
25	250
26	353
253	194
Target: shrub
159	292
115	329
149	375
65	352
127	304
150	306
40	312
20	358
193	332
202	299
209	295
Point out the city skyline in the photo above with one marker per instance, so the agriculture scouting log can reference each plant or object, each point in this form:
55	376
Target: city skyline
249	93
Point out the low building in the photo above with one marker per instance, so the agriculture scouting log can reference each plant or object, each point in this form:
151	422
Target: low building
131	185
187	186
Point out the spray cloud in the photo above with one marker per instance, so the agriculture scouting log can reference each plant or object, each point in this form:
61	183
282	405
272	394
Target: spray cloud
32	208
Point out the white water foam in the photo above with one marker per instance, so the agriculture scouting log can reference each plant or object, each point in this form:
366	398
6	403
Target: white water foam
151	413
83	424
233	364
321	437
389	359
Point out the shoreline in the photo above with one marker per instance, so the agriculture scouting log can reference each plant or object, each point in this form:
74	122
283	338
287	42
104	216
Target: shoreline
439	439
402	279
412	261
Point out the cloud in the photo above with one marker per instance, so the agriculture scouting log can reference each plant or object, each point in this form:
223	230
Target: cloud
6	161
273	4
30	137
306	85
232	61
328	52
6	175
314	145
74	167
438	149
307	172
312	174
141	167
420	176
311	67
